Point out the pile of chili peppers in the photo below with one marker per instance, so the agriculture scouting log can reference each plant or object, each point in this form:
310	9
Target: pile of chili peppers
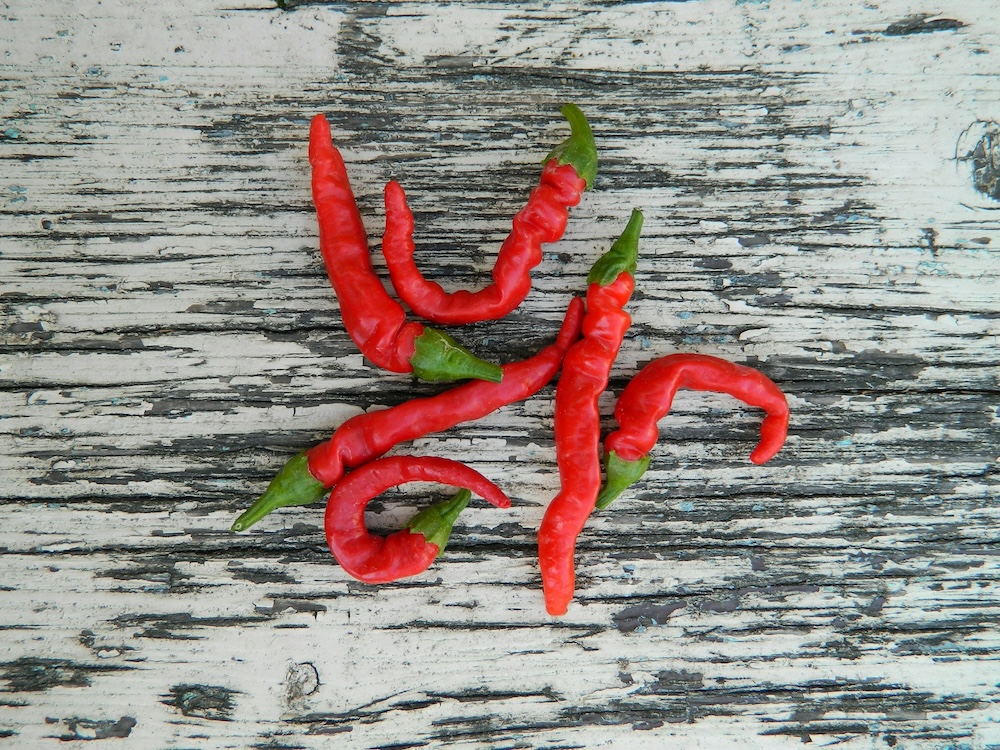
351	467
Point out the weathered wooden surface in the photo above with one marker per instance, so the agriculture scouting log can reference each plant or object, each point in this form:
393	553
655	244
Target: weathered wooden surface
820	186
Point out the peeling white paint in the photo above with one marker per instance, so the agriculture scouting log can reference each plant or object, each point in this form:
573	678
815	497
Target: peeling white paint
170	339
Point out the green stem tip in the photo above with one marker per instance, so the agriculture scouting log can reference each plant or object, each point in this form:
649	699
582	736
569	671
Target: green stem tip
579	149
436	522
438	357
622	256
293	485
621	474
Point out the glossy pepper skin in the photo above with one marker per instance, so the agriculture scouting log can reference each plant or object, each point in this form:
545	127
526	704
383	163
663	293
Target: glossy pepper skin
569	170
376	559
648	397
307	477
375	321
577	417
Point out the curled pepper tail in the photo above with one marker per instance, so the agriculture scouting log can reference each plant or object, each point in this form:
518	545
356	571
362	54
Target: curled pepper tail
377	559
773	431
579	149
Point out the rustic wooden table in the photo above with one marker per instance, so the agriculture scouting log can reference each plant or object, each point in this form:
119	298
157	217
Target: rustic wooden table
821	183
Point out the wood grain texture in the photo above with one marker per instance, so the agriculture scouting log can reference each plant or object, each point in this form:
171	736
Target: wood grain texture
819	189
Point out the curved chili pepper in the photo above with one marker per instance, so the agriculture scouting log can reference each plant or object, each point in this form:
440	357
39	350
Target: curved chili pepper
648	397
570	169
375	321
307	477
577	417
376	559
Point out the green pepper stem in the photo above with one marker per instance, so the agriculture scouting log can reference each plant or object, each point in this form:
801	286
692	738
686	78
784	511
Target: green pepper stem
621	257
621	474
579	149
436	522
438	356
293	485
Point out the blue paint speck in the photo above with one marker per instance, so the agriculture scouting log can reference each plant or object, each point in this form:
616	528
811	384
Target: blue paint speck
12	133
844	443
685	315
686	506
164	78
18	189
934	268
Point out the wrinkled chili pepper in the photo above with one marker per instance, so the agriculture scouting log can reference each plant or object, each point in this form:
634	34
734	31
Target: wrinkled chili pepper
569	170
376	559
374	320
307	477
577	417
649	395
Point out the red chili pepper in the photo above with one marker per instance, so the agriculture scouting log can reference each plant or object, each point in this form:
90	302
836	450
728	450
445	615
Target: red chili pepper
570	169
307	477
577	417
375	321
647	399
375	559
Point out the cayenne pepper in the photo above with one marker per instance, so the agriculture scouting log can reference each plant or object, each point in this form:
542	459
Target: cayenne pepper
569	170
649	395
379	327
308	476
577	417
375	321
376	559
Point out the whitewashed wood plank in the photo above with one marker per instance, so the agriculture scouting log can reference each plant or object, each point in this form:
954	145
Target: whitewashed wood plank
169	340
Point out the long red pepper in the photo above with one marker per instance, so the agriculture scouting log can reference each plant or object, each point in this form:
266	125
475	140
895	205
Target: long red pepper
577	417
375	321
570	169
649	395
307	477
376	559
